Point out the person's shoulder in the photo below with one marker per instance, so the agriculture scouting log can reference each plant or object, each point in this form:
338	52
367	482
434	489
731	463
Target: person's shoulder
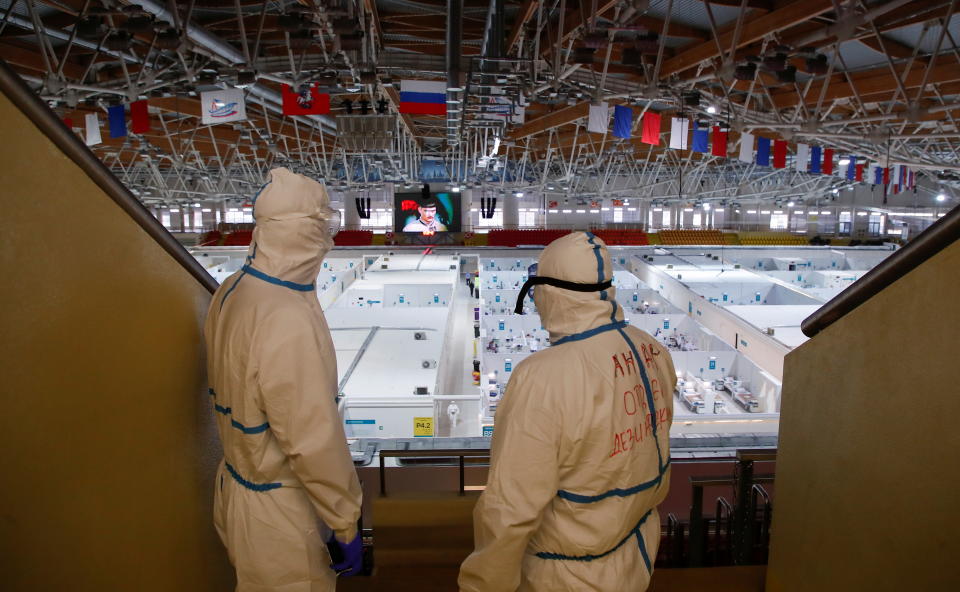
545	365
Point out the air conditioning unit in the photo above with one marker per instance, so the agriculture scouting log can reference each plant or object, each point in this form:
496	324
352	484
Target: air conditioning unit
768	330
428	364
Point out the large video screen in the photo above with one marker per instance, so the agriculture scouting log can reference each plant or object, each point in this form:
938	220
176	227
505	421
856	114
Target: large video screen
426	214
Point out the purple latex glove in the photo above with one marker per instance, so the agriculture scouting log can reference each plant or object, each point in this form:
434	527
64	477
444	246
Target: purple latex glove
347	557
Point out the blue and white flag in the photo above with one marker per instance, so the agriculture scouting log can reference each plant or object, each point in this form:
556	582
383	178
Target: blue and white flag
222	106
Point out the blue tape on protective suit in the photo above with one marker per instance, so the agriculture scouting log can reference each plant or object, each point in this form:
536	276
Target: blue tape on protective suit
616	492
595	331
246	430
277	281
249	484
633	531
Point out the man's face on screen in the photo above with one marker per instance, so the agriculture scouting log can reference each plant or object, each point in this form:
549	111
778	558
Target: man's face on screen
428	213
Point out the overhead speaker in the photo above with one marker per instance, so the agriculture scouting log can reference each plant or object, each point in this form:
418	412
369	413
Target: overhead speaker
818	64
583	55
291	22
90	27
140	23
168	39
776	62
428	364
631	56
649	43
419	336
119	41
788	74
745	72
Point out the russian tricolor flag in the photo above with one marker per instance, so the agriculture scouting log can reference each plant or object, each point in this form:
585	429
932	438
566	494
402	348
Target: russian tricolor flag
423	97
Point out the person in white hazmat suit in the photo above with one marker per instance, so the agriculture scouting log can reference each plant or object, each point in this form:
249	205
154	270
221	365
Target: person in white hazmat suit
580	455
287	484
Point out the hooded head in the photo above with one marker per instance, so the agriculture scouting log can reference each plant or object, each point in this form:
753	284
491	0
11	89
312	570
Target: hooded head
582	258
292	235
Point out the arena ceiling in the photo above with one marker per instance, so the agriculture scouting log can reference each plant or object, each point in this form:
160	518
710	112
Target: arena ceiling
879	79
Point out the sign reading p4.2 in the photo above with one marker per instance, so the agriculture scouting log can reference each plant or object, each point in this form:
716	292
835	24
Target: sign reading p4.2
423	427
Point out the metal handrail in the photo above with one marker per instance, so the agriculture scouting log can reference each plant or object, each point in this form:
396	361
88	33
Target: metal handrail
757	492
928	243
724	511
435	453
70	145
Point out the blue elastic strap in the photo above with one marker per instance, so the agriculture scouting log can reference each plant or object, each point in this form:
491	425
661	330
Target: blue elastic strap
277	281
256	195
617	325
616	492
600	274
246	430
561	557
254	430
643	551
232	288
650	403
249	484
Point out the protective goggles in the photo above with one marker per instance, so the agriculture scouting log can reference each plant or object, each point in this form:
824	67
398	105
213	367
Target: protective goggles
562	284
334	222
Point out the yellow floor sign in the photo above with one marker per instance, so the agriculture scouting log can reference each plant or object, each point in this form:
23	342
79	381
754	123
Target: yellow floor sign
422	427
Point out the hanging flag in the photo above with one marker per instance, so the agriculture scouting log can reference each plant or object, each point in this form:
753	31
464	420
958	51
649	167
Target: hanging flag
719	142
651	129
877	174
851	168
828	161
93	129
139	118
803	155
599	118
222	106
679	127
886	175
763	151
859	173
700	139
779	154
118	121
308	101
622	121
423	97
746	147
912	180
815	160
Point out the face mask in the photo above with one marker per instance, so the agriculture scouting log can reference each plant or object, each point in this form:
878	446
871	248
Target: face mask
562	284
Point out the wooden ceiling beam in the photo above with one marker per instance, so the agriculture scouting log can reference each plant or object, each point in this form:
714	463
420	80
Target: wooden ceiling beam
752	31
526	12
878	80
31	60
